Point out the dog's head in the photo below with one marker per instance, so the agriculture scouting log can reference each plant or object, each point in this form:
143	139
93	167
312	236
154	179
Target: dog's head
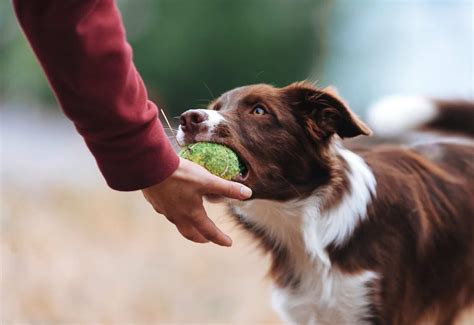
282	135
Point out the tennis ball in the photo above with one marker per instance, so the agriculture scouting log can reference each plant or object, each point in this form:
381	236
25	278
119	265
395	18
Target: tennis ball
216	158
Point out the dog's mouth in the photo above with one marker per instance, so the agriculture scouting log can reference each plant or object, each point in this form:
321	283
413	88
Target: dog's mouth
244	173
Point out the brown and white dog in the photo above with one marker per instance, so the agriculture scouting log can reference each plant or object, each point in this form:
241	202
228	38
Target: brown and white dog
380	234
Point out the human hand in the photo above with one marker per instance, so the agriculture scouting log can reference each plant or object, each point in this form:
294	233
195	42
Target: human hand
179	198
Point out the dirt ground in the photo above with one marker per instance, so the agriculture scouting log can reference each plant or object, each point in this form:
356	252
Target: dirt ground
99	256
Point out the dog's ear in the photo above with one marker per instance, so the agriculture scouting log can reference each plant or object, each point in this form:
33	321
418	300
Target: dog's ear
323	111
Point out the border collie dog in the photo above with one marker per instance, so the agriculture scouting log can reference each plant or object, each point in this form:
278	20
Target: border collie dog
358	232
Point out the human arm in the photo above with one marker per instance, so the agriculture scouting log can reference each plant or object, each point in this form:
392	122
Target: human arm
82	48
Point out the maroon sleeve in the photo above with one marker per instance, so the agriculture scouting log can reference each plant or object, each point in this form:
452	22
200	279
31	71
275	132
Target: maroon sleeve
82	48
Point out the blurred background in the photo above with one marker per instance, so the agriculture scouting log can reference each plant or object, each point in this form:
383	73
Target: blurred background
73	250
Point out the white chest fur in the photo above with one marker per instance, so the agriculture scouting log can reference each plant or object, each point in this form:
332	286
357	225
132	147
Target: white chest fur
347	303
325	295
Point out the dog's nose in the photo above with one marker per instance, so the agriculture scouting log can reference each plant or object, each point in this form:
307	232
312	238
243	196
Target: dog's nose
191	120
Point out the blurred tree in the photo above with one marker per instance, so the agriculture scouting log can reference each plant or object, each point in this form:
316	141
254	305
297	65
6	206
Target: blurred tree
191	51
21	78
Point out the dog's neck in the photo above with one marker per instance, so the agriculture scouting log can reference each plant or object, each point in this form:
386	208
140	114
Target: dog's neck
297	233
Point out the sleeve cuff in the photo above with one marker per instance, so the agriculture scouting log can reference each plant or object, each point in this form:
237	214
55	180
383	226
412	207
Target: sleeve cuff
152	159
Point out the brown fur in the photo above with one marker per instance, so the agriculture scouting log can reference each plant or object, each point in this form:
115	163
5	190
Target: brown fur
418	235
290	164
454	117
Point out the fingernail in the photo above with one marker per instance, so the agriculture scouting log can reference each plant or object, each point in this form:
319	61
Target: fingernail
245	191
225	243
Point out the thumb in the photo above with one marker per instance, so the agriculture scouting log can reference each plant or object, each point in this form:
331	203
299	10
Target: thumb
232	190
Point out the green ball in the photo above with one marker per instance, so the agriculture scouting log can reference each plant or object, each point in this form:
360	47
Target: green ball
216	158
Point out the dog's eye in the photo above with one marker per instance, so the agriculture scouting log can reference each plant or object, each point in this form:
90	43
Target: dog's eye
259	110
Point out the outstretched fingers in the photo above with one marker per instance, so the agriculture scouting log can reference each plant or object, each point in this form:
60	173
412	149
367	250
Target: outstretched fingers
191	233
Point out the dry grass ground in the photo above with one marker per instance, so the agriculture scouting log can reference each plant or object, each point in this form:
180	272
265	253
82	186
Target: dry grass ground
73	251
98	256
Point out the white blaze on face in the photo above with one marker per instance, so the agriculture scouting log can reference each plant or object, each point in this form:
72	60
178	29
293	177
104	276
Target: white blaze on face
214	118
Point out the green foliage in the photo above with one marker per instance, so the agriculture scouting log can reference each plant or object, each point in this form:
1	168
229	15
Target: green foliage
188	51
21	77
192	51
